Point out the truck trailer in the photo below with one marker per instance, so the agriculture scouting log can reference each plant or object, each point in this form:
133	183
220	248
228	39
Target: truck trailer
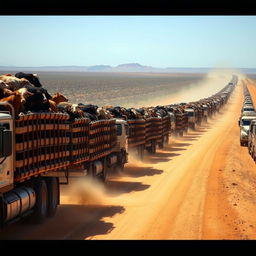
39	152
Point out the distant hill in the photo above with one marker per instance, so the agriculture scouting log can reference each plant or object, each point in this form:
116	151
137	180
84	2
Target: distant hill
128	67
99	68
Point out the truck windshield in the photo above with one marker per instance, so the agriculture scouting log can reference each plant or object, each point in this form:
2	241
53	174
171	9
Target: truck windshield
190	113
119	129
246	122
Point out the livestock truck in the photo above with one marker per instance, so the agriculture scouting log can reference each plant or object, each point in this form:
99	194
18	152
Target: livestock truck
41	151
191	117
178	119
147	134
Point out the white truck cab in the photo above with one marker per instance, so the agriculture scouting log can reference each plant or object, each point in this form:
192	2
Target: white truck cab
7	153
172	121
122	134
206	109
244	124
191	117
121	148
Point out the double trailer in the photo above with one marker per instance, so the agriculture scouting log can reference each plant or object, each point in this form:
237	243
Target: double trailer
147	134
41	151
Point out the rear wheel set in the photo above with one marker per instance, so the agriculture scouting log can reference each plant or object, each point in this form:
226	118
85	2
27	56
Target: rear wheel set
47	199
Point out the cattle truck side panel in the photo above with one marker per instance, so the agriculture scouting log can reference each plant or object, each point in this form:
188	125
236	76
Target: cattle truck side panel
154	131
137	136
102	142
166	125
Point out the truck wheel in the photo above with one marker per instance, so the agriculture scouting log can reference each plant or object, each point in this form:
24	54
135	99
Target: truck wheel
120	167
40	210
154	148
103	176
161	145
141	153
53	195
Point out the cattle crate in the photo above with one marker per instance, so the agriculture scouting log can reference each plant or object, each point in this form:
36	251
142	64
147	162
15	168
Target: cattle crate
137	132
166	126
102	138
154	130
41	144
79	141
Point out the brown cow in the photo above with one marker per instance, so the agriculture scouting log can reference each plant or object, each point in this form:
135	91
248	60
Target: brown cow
13	83
17	99
57	98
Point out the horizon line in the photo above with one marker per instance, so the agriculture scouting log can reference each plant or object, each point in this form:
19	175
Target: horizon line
178	67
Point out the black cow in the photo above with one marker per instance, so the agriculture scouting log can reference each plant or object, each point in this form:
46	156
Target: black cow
38	89
32	78
38	101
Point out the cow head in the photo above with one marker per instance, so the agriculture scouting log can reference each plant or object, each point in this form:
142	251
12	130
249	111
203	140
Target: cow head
24	93
58	97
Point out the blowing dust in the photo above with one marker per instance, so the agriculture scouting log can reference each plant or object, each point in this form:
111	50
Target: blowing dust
213	82
86	190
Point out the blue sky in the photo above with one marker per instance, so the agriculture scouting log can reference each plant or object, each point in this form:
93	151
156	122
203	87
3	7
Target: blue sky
158	41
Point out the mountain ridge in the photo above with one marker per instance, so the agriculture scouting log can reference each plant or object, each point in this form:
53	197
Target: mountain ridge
126	67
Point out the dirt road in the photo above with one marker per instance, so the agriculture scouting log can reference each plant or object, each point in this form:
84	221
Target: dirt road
201	186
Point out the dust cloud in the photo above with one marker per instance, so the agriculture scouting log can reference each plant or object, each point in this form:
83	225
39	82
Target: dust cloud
212	82
84	190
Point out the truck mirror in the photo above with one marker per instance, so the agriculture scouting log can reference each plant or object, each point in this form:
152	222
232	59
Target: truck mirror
5	142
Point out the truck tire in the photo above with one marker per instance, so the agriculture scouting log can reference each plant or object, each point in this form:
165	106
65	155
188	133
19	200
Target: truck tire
103	175
53	195
154	148
141	153
41	206
161	144
120	167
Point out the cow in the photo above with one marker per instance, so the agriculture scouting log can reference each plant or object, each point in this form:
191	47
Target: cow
13	83
73	110
37	102
4	92
58	97
103	114
17	99
32	78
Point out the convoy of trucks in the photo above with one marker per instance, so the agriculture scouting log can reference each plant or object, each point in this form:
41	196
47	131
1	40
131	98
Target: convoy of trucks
41	151
248	114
